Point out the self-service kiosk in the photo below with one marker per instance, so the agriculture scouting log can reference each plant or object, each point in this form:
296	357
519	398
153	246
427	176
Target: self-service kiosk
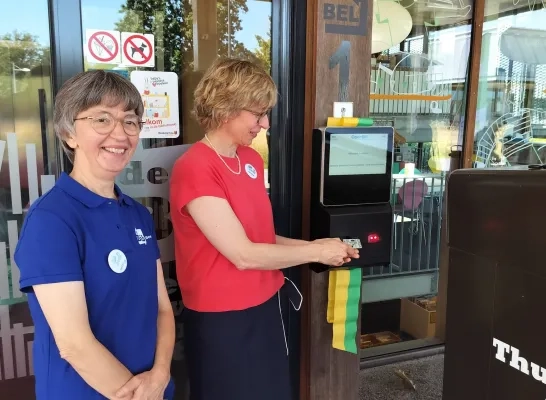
351	189
496	289
350	199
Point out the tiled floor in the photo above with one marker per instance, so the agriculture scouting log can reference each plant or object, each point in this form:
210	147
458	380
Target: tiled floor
381	383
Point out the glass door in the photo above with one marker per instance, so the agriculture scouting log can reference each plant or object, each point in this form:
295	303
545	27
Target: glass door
27	169
172	42
184	38
420	88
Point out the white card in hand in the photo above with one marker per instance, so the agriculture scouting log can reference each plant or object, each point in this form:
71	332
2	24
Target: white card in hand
354	243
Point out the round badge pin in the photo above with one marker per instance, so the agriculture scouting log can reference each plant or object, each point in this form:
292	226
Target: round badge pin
251	171
117	261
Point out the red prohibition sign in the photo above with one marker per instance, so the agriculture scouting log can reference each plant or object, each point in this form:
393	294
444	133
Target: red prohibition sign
136	49
110	54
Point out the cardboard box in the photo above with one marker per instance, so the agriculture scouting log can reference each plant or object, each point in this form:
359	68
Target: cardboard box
416	320
378	339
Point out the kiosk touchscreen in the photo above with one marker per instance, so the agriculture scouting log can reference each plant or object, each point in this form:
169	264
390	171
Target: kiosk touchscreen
356	165
351	188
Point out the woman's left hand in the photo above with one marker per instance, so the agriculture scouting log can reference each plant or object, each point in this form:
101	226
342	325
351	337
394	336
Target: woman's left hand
149	385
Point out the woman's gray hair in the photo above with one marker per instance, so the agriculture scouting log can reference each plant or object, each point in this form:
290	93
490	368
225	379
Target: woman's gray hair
90	89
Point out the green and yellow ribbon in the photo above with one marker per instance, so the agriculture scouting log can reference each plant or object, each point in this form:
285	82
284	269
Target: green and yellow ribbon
349	121
344	290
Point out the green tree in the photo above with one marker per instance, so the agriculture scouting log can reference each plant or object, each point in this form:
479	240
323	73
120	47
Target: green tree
171	21
19	50
263	51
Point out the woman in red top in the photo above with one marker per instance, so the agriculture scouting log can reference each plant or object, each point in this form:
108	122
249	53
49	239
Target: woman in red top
228	257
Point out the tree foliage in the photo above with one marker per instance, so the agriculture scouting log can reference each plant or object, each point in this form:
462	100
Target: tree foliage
171	21
19	50
263	52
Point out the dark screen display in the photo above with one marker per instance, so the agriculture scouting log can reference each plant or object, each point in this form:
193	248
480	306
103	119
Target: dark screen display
357	165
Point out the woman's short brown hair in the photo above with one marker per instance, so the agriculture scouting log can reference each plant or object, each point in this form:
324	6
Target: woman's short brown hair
90	89
230	86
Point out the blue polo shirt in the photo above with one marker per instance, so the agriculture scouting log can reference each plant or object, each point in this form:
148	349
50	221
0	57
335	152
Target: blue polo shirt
73	234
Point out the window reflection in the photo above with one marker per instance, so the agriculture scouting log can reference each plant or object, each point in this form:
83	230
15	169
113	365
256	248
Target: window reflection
25	112
28	168
511	116
24	72
418	86
188	36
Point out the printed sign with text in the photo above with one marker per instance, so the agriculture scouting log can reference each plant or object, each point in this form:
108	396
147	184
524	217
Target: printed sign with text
159	92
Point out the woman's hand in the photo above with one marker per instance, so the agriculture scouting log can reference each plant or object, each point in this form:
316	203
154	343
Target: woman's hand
149	385
335	252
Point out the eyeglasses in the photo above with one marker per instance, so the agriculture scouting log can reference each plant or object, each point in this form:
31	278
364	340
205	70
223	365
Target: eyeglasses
536	166
259	116
105	124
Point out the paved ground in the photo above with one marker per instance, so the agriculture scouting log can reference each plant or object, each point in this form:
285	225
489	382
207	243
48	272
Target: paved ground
381	383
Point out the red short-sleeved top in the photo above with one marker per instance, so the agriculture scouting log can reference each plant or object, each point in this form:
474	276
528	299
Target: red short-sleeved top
209	281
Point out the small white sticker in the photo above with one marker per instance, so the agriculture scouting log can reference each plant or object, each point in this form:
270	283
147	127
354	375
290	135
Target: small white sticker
117	261
251	171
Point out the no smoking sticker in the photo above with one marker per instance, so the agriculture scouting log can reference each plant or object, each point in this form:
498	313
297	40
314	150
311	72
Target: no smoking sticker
137	49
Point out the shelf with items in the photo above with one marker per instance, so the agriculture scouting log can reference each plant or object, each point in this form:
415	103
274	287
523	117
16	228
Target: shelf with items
156	105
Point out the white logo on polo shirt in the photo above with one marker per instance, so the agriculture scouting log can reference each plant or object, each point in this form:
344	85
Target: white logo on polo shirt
140	236
251	171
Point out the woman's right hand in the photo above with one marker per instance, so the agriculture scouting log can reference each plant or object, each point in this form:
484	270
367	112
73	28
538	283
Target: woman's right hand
334	252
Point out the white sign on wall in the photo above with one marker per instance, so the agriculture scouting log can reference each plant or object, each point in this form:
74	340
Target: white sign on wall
159	91
137	49
102	46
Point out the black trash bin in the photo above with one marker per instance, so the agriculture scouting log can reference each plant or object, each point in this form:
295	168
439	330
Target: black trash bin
495	338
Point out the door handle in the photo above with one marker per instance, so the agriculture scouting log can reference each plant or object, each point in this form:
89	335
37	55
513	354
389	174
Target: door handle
42	102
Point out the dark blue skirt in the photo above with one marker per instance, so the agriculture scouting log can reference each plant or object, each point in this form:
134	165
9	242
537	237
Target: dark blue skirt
237	355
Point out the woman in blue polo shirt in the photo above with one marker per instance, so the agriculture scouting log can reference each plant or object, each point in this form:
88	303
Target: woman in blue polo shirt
89	259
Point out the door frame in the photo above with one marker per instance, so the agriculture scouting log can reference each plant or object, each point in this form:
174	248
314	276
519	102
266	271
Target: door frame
66	35
288	44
